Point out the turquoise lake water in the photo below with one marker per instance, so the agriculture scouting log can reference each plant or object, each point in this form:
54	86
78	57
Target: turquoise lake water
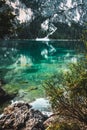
26	64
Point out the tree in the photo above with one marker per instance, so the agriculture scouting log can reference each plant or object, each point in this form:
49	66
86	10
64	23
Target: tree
7	20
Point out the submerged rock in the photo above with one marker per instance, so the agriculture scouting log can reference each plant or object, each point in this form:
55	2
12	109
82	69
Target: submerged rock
20	116
4	96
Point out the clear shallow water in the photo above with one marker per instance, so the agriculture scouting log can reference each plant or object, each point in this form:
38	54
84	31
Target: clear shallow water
26	64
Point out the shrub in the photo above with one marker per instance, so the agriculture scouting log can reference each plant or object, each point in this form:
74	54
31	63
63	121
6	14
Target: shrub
68	96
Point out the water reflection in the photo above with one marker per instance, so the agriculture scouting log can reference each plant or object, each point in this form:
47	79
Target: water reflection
35	61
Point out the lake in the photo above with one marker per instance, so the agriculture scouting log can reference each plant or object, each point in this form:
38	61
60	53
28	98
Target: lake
26	64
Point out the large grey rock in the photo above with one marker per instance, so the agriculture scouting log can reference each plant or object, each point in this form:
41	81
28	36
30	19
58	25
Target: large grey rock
20	116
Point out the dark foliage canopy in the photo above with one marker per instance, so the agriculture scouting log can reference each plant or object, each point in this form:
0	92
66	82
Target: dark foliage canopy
7	20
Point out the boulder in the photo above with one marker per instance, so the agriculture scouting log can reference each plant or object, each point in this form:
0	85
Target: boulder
21	116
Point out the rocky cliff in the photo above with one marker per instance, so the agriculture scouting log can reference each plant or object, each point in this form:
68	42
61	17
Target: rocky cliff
42	18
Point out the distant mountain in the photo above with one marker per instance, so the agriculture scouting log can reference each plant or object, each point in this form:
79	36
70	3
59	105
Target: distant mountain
49	18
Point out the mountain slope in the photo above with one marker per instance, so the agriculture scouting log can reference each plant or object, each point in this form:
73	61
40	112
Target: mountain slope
41	18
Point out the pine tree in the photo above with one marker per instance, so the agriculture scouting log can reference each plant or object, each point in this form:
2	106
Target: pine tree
7	20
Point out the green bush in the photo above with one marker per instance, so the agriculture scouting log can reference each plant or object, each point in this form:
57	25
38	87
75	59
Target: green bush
68	95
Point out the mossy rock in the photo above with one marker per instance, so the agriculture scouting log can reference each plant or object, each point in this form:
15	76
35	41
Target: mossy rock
11	88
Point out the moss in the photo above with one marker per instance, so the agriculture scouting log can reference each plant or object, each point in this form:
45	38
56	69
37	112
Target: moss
11	88
33	92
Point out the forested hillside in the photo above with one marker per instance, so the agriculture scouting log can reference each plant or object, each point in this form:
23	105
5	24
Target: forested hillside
40	18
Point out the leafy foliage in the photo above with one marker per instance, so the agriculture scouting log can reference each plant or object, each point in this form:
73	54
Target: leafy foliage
63	126
67	32
69	96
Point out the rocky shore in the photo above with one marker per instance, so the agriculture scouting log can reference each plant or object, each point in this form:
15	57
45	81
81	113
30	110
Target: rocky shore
21	116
